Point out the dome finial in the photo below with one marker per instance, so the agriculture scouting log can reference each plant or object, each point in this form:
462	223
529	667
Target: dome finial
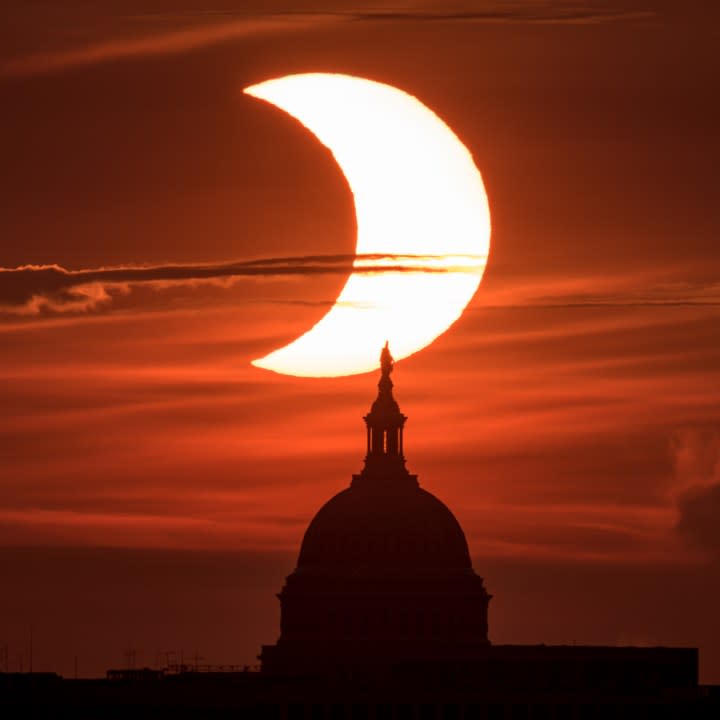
384	422
386	360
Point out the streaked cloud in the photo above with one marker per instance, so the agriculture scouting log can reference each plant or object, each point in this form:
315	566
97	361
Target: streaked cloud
161	43
567	424
29	289
33	289
205	29
519	12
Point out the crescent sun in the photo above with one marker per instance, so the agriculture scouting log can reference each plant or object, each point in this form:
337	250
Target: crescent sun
417	193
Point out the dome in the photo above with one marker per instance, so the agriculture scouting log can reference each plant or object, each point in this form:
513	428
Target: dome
384	574
386	527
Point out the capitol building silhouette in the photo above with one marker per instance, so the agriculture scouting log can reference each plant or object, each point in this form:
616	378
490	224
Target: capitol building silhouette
384	618
384	574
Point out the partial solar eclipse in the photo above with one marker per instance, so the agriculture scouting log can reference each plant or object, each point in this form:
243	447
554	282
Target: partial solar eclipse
417	192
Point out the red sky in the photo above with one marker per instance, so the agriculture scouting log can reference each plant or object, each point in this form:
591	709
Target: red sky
154	487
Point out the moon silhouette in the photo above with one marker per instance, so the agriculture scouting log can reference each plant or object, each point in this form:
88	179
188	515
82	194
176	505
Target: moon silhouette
417	194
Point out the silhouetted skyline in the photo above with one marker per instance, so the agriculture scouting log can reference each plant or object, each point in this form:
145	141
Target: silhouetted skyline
385	617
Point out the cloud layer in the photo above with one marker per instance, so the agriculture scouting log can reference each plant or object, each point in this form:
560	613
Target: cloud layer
30	289
41	289
223	27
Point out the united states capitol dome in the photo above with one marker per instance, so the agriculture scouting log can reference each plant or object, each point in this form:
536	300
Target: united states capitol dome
380	528
384	574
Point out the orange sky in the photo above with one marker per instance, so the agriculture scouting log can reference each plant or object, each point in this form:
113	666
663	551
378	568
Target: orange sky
570	418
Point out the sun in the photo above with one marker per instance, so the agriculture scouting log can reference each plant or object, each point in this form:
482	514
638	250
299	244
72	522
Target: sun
418	195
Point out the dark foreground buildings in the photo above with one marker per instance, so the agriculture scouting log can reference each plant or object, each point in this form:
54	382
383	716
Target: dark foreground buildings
384	618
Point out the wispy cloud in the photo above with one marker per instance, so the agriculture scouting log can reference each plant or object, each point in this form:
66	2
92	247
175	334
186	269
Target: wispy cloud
36	289
221	27
566	294
30	289
162	43
529	12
